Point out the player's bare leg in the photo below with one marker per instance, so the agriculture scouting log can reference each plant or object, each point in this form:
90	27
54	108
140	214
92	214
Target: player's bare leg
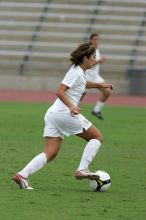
52	147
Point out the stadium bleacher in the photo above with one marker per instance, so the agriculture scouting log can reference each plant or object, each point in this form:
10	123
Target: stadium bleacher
36	38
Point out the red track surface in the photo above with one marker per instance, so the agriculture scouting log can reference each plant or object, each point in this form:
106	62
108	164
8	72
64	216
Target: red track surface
46	96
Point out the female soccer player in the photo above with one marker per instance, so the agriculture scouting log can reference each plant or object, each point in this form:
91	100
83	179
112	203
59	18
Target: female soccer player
64	118
93	75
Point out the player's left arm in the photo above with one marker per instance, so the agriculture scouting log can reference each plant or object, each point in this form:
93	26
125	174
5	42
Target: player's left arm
90	85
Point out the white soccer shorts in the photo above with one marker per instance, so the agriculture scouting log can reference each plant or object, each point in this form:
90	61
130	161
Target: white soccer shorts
63	124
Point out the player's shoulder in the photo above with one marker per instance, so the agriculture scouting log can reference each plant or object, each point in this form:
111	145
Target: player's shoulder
74	71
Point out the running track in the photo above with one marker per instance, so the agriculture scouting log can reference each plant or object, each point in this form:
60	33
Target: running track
49	97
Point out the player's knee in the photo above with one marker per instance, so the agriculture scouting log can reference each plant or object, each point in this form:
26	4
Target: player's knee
99	138
107	92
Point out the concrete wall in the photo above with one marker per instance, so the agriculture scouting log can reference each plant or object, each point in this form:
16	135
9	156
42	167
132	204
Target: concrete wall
50	83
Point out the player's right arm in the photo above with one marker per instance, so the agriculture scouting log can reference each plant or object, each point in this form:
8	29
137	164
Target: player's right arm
61	94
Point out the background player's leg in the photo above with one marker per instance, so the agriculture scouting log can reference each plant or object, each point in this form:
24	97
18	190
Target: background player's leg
105	93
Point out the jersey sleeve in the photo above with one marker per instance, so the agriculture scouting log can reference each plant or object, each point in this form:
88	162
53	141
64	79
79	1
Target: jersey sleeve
70	78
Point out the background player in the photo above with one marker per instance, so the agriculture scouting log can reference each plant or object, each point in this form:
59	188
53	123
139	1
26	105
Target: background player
93	75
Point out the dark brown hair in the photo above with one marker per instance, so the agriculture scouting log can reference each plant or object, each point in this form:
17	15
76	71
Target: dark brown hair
83	50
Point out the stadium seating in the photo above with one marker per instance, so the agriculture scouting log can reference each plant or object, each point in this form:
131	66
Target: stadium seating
37	36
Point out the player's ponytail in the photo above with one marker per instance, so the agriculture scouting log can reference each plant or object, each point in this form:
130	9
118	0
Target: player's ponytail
83	50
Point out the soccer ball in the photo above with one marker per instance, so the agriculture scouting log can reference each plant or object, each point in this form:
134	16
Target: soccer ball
101	184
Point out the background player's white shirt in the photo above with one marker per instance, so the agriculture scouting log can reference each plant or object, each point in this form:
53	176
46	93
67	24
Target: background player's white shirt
93	74
76	81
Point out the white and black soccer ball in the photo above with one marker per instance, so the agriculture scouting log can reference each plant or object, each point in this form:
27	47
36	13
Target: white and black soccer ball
102	183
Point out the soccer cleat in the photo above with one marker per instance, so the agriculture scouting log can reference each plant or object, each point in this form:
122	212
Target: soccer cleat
85	174
22	182
98	115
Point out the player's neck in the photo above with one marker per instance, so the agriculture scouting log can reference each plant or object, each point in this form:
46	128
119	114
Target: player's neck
83	67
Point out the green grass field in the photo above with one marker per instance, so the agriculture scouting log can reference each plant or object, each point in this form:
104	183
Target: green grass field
57	194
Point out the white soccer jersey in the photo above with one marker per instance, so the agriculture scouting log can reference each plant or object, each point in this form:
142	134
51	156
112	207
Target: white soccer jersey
76	81
93	74
58	120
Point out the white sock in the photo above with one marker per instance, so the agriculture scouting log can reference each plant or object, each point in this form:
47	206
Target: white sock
99	105
34	165
89	153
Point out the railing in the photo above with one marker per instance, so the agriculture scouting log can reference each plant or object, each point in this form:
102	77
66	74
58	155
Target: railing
109	26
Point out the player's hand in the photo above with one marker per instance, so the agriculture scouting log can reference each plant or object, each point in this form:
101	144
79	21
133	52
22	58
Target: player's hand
74	110
106	85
